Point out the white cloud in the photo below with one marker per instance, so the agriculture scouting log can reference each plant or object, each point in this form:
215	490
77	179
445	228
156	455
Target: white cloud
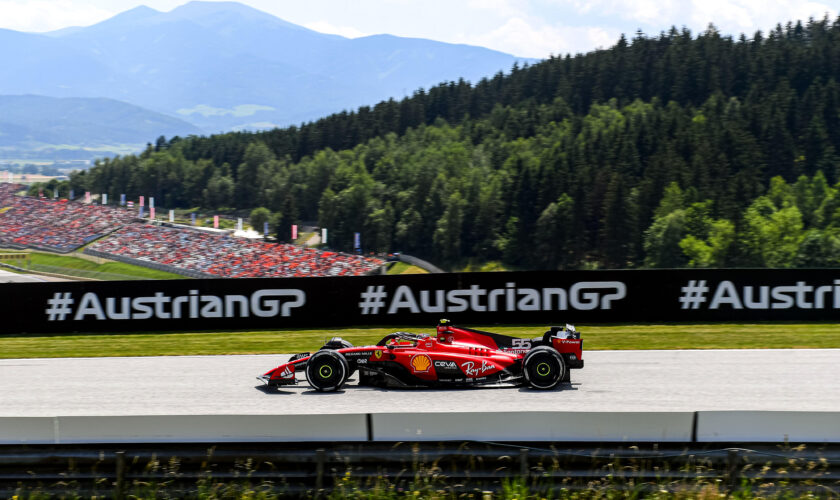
729	16
48	15
238	111
736	16
500	8
326	27
644	11
525	39
723	14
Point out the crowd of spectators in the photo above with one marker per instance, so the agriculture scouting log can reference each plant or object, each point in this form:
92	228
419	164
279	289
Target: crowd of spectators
58	225
7	191
229	257
63	226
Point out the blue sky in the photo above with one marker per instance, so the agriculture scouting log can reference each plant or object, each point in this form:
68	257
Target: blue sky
528	28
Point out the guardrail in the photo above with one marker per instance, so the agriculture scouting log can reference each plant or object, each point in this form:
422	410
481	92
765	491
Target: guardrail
182	429
659	427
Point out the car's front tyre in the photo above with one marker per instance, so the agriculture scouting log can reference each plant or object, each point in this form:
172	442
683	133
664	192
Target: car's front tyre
337	343
327	370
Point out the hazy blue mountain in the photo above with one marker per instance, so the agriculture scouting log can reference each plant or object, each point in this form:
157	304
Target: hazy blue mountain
81	127
223	65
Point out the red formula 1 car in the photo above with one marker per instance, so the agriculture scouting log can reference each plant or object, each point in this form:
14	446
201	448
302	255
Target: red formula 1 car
456	357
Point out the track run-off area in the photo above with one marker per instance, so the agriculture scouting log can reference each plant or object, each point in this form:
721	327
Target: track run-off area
612	381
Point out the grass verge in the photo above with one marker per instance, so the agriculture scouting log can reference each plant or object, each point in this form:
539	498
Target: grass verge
404	268
484	267
596	337
109	270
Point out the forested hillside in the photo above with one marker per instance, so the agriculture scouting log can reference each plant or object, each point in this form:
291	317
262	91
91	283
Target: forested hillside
671	150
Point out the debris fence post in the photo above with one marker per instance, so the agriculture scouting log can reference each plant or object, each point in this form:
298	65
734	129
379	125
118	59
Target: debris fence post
119	484
320	458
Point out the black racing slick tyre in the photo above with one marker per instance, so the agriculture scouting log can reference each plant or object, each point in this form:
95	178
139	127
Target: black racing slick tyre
327	370
544	367
339	343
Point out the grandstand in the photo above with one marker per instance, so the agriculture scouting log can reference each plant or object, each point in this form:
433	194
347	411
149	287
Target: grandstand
64	226
53	225
227	256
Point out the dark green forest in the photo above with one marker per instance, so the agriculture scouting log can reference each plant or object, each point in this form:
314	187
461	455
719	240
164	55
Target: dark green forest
663	151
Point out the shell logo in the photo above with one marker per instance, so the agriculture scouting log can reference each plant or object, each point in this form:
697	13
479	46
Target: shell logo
420	363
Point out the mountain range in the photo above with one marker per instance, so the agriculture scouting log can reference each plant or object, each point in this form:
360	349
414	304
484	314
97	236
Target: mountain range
38	127
221	66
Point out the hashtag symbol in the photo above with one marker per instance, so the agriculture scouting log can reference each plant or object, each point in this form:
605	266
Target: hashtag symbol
373	299
694	294
59	306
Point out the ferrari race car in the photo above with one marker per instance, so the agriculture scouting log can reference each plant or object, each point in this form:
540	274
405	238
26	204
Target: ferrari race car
455	357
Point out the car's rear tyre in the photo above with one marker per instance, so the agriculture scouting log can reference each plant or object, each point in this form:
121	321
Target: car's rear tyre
327	370
544	368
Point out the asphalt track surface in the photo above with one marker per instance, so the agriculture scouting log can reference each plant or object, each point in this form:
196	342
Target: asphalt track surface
10	277
801	379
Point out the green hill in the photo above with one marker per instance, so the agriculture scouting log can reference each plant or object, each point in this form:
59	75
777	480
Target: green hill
673	150
34	126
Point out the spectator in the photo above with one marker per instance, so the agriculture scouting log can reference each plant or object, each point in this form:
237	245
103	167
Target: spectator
229	257
62	226
58	225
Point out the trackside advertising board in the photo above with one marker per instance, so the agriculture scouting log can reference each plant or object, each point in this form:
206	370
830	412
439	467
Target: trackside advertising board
468	298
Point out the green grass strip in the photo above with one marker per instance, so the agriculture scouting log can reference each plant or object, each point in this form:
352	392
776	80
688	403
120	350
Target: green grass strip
109	270
596	337
404	268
